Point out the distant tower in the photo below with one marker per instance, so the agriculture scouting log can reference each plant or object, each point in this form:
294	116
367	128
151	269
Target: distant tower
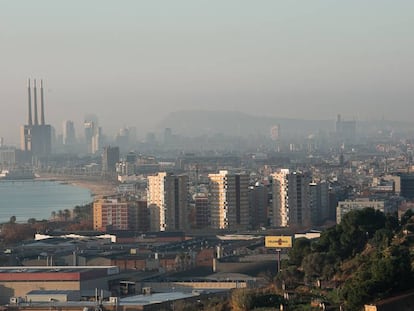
36	120
68	129
42	105
36	138
345	130
93	134
110	157
275	132
29	96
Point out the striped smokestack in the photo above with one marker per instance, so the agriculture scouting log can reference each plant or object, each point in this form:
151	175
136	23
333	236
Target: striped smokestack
36	120
29	117
42	105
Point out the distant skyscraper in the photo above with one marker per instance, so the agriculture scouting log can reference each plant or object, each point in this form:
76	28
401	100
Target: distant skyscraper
122	139
167	199
68	130
345	130
229	204
36	137
275	132
93	134
110	157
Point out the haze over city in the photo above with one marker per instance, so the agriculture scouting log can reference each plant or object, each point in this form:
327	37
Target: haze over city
133	62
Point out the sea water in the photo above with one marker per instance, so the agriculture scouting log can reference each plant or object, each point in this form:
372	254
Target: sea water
37	199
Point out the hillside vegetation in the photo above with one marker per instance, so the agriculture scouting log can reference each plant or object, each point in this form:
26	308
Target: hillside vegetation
367	257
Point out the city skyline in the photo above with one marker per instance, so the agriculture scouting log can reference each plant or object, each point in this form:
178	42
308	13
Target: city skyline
134	63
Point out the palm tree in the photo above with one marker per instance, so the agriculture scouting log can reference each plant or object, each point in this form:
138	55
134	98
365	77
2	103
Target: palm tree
66	214
60	215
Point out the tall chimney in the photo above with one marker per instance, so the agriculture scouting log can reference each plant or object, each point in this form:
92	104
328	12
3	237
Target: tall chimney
42	105
29	120
36	121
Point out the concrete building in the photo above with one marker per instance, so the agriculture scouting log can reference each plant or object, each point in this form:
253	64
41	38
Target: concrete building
120	214
258	205
202	211
19	281
110	157
275	132
279	215
68	131
345	130
319	202
229	202
347	206
93	134
36	136
407	186
291	199
167	199
8	157
110	214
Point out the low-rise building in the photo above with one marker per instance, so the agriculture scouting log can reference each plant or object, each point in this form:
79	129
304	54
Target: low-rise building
359	204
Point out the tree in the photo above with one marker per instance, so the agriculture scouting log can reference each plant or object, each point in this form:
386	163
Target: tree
66	214
407	217
382	238
319	265
13	232
12	219
358	227
291	276
60	215
301	248
250	299
382	274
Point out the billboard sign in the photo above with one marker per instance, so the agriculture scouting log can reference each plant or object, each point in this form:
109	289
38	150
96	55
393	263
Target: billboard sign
278	241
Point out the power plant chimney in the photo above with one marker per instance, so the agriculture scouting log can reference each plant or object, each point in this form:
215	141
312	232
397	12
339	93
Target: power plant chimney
36	121
29	121
42	105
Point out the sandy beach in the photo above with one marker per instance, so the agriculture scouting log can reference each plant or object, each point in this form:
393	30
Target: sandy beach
97	186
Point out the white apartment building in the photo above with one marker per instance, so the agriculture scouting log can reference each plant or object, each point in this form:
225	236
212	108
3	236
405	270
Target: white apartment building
229	202
167	199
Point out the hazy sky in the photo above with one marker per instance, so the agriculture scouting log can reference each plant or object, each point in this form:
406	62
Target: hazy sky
132	62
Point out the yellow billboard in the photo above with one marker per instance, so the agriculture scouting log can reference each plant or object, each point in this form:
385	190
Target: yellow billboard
278	241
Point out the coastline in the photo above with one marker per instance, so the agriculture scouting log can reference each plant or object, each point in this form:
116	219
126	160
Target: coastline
96	186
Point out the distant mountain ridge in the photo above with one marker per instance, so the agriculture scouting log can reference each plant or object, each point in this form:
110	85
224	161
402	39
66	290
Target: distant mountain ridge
198	122
233	123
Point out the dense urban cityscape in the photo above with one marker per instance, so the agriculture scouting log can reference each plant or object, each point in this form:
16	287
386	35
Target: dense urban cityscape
206	155
182	220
